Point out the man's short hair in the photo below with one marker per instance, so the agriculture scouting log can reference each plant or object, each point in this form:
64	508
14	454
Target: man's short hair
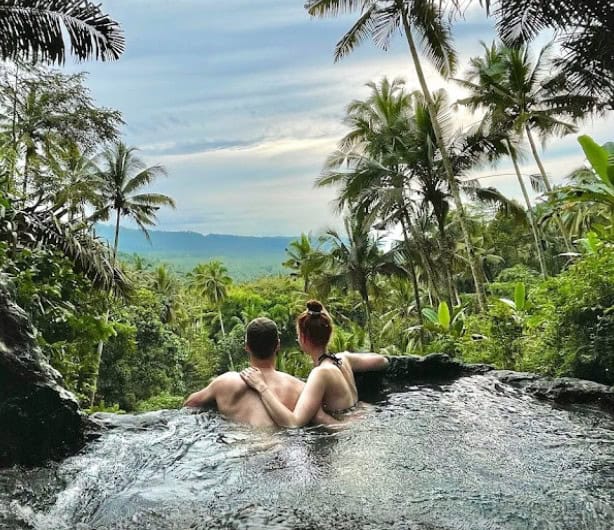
262	337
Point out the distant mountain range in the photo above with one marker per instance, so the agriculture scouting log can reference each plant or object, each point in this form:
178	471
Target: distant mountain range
245	256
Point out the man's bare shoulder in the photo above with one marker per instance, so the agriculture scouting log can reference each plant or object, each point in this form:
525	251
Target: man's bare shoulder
229	381
289	379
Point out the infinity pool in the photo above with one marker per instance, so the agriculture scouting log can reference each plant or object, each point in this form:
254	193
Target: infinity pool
472	454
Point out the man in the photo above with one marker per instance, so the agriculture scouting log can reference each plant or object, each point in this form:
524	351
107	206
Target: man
236	400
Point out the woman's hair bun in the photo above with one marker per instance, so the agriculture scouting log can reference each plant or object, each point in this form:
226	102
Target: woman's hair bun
315	306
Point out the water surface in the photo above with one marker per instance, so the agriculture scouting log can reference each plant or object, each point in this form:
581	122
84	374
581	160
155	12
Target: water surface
472	454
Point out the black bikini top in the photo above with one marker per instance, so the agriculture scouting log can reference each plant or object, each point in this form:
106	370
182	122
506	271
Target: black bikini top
332	357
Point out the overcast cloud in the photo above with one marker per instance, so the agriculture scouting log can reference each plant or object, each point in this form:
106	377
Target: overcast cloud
241	101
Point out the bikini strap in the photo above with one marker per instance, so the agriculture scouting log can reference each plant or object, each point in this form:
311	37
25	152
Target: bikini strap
337	361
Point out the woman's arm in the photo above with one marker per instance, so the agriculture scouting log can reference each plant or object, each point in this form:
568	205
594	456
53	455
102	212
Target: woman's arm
366	362
308	405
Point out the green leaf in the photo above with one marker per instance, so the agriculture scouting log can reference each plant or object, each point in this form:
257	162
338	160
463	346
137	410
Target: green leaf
443	316
430	315
596	155
508	302
520	296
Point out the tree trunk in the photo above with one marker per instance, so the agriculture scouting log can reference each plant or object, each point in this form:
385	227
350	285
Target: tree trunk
221	322
11	178
473	262
367	305
538	246
414	280
546	180
100	347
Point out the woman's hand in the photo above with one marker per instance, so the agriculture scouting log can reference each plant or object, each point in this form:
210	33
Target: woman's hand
254	378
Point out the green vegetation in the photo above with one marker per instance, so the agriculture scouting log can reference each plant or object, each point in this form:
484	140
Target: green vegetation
473	273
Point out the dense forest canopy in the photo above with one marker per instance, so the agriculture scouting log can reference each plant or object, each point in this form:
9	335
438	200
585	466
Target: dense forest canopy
472	273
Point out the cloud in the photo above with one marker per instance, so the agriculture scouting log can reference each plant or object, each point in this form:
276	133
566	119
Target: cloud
242	102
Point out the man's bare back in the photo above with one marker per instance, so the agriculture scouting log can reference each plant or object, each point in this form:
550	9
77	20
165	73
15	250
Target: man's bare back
238	402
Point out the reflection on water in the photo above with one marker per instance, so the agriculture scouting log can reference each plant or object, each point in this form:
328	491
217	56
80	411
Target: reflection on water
469	455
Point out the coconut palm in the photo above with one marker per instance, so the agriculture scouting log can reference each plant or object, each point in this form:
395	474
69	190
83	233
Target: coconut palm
37	30
525	96
583	30
120	177
211	281
406	182
304	258
73	172
356	260
488	72
425	19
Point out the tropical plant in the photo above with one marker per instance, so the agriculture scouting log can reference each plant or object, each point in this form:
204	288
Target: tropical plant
379	20
119	179
45	118
583	29
356	260
444	321
305	258
211	281
37	30
388	164
524	96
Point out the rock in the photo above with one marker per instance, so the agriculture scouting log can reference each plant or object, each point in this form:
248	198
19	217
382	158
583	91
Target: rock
562	390
415	369
39	419
438	367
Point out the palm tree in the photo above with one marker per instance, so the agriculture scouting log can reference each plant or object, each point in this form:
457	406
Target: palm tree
584	33
484	78
305	259
380	19
387	164
525	96
356	260
74	173
211	281
119	178
37	30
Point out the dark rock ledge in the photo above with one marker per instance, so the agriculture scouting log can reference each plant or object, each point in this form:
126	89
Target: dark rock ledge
39	419
438	368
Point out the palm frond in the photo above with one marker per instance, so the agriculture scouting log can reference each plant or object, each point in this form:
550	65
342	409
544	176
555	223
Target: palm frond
361	30
34	30
436	33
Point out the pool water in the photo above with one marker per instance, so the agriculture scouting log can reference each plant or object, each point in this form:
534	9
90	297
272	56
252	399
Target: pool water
471	454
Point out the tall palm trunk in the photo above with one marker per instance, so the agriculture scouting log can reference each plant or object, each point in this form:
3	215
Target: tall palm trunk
100	347
367	306
473	262
414	281
219	312
546	180
538	246
231	363
11	178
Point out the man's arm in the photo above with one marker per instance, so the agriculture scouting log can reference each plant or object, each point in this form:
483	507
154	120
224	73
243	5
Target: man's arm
366	362
308	405
202	397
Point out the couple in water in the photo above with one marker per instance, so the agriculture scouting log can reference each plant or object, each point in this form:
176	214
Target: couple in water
262	396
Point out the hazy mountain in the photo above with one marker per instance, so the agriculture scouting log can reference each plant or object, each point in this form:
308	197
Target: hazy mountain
245	256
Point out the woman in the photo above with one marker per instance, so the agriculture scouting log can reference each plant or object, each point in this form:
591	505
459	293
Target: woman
330	384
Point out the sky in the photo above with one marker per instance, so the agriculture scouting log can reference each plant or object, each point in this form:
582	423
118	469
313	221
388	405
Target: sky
241	102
